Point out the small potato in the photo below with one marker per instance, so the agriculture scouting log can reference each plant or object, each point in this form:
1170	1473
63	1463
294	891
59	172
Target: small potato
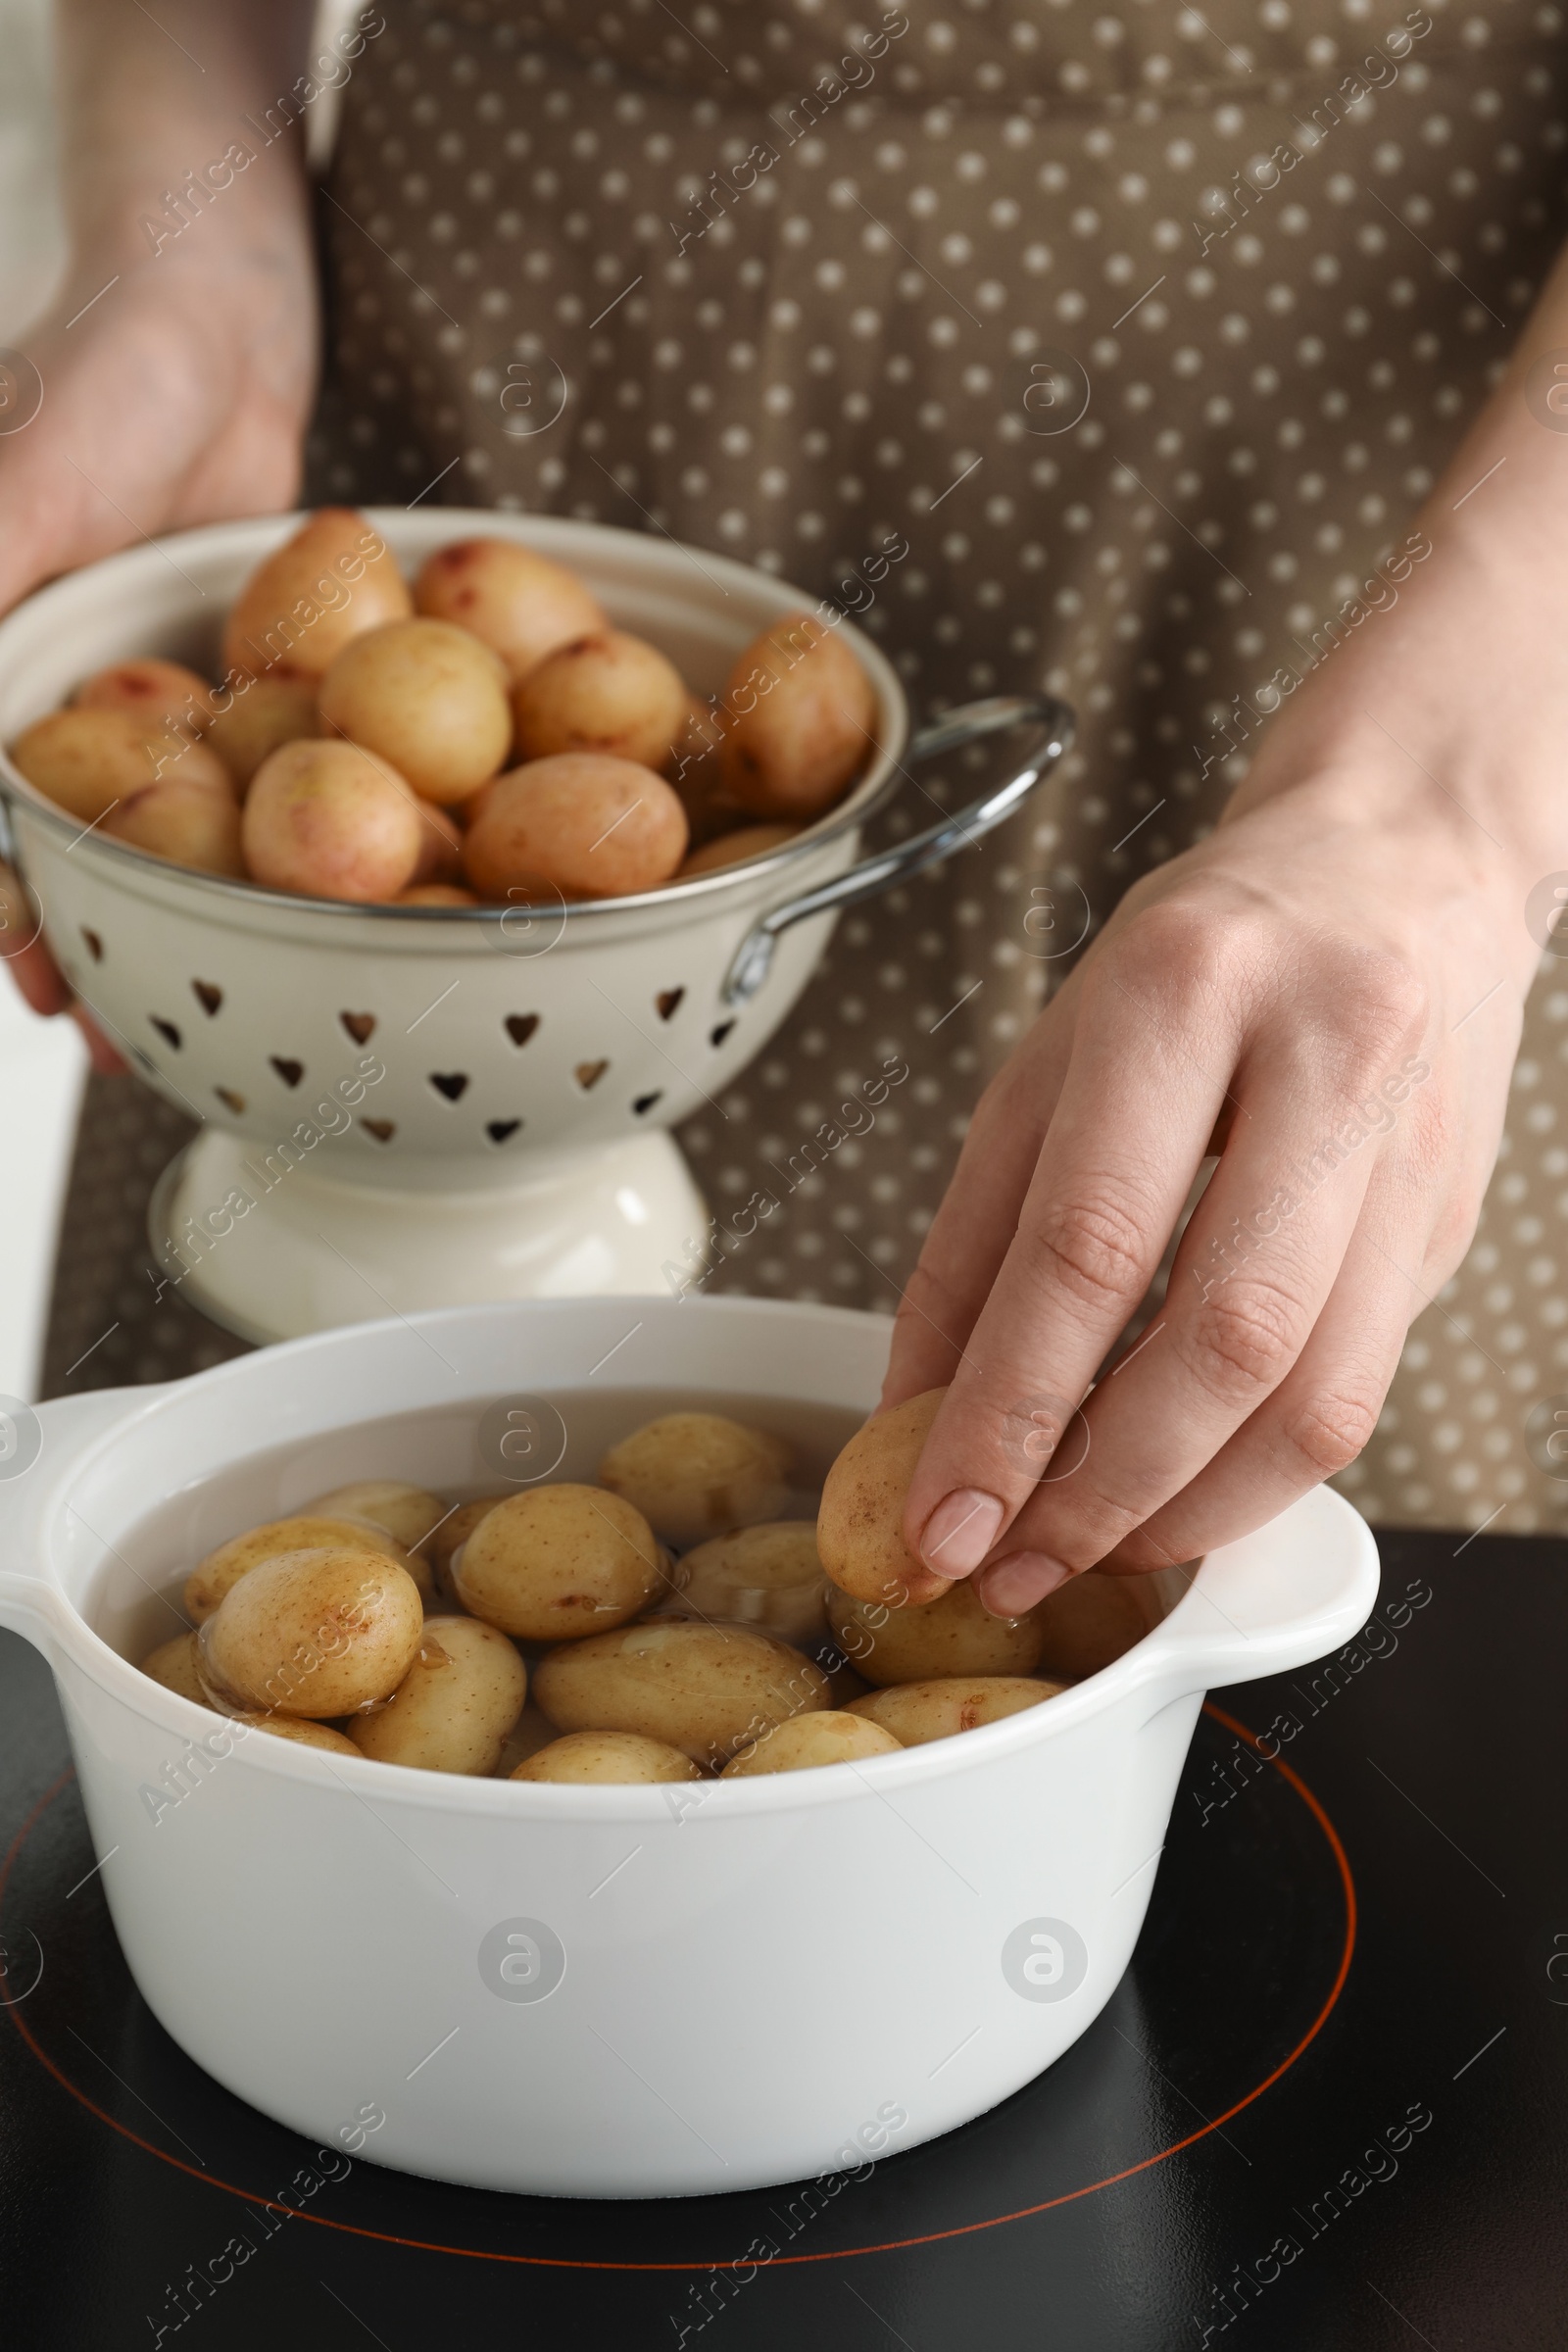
579	824
329	821
858	1527
437	894
706	1690
532	1731
174	1664
1093	1620
304	1733
306	1530
257	717
605	693
515	602
448	1537
186	824
87	760
440	848
453	1709
168	695
949	1636
767	1576
807	1740
736	849
694	1475
585	1758
315	1633
334	579
411	1515
558	1562
427	698
803	720
915	1712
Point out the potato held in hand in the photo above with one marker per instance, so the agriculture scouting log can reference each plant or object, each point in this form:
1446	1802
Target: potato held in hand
586	1759
327	820
426	698
577	826
558	1562
315	1633
455	1706
336	578
804	721
916	1713
703	1690
515	602
858	1525
605	693
694	1475
949	1636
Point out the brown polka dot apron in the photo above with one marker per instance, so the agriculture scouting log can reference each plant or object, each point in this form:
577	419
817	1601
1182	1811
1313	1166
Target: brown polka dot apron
1146	330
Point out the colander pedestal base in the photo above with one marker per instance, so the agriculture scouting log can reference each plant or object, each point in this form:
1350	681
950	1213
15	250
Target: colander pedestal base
313	1252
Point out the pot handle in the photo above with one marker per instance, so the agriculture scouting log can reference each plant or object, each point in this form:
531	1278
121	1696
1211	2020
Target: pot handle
38	1448
968	724
1294	1590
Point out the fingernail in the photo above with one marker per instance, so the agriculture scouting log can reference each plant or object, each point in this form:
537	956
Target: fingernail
1014	1585
960	1531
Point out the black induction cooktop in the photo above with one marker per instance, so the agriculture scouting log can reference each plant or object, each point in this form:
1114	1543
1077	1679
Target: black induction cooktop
1327	2108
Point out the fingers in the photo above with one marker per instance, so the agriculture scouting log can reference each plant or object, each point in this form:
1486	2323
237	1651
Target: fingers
979	1214
37	977
1322	1413
1136	1106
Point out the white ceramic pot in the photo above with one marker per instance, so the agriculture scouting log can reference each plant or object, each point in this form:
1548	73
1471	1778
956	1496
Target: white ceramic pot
600	1992
416	1107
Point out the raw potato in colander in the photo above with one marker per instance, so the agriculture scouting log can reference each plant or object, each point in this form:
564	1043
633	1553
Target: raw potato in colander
694	1475
519	604
165	695
428	699
187	822
605	693
578	825
802	716
86	761
336	578
327	820
256	718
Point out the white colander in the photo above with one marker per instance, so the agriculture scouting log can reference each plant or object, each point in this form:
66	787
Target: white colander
410	1107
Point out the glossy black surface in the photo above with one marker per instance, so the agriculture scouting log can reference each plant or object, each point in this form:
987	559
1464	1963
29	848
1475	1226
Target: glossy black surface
1414	2154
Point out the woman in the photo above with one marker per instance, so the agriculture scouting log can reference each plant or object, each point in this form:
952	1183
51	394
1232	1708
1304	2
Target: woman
1165	342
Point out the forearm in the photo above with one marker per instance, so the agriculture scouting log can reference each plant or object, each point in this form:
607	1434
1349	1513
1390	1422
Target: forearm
149	112
1450	673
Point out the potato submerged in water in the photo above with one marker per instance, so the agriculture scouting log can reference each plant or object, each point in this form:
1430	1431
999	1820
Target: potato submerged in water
315	1633
605	693
808	1740
587	1759
426	698
916	1713
768	1576
410	1514
558	1562
802	718
515	602
694	1475
305	1531
579	825
327	820
949	1636
703	1690
455	1706
336	578
858	1525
